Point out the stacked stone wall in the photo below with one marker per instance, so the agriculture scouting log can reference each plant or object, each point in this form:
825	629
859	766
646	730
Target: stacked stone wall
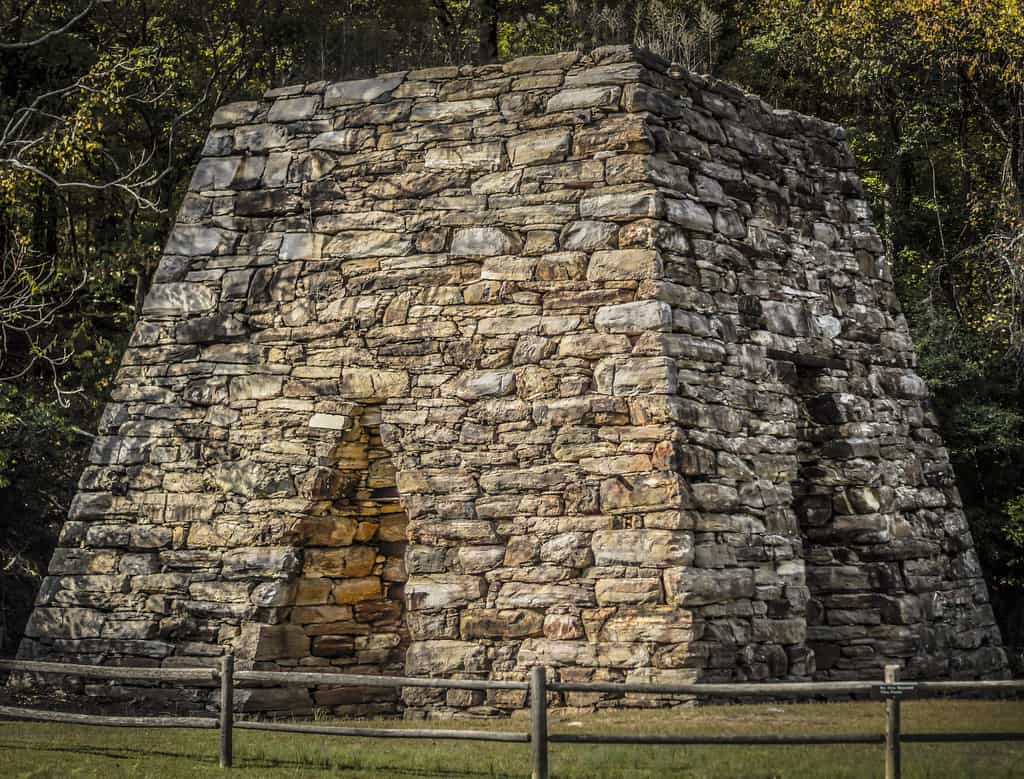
578	360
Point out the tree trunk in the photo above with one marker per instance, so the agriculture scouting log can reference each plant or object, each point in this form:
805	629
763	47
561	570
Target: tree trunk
487	31
1016	133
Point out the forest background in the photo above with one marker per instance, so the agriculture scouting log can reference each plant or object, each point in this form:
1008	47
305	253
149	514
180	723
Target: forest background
104	105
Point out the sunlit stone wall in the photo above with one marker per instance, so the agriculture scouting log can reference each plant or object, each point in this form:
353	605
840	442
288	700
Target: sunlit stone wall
579	360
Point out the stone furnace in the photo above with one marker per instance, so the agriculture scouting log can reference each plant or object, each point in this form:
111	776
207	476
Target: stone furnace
580	360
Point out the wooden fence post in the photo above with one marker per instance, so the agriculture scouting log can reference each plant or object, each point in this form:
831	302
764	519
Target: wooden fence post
539	722
892	726
227	705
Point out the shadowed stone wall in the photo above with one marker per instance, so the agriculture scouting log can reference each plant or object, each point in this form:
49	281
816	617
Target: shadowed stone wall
578	360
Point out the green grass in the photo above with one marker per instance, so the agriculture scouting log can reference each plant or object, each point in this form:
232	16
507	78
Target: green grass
48	750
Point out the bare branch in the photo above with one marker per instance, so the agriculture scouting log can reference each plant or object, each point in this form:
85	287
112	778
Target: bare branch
21	45
29	306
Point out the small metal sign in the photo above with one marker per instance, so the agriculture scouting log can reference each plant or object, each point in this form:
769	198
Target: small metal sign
896	689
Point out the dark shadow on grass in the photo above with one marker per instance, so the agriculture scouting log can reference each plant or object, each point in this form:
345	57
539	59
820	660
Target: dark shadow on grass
129	753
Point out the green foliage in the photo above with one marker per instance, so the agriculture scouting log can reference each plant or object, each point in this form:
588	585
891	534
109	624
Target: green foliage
977	398
40	456
1015	534
35	437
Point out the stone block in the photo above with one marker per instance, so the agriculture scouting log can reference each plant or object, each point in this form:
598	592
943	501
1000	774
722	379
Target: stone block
540	477
634	318
369	243
648	492
479	559
131	630
541	147
322	421
526	595
179	299
455	111
837	578
636	376
649	548
209	329
592	345
696	587
430	593
557	654
501	623
348	562
242	112
373	383
260	138
274	594
220	591
622	206
314	615
585	97
250	480
354	695
312	592
780	631
714	497
690	215
280	701
484	242
432	658
91	505
640	97
624	264
482	156
352	591
541	62
365	90
475	385
380	114
293	109
589	235
563	627
214	173
618	592
301	246
71	623
260	562
255	387
83	561
657	624
343	141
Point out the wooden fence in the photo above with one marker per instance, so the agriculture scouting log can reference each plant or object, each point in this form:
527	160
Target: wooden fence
891	690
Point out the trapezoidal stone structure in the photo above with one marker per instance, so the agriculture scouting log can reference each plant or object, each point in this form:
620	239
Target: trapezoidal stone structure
577	360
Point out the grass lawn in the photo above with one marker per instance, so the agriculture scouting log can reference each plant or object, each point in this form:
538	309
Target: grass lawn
39	750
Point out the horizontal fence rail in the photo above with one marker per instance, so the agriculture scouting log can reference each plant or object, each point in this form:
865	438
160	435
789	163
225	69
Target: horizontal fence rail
186	675
891	690
308	679
951	738
331	730
600	738
14	712
944	688
767	690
